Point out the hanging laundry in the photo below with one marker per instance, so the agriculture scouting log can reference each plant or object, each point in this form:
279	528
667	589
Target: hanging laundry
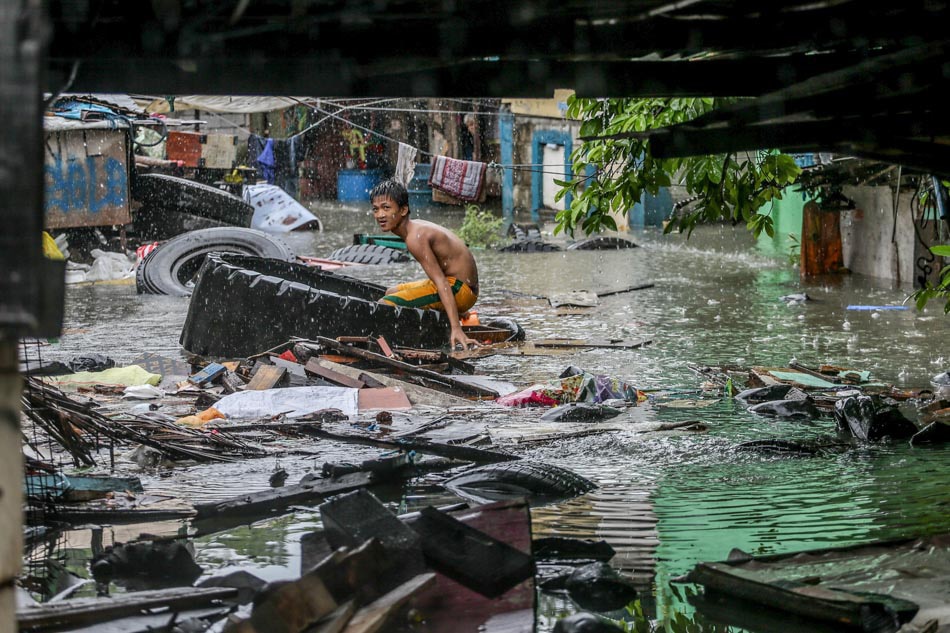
463	179
266	162
405	164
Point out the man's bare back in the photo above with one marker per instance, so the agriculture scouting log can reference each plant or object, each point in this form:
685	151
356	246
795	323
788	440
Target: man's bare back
450	252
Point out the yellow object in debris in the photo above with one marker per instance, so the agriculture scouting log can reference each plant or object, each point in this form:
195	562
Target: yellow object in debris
50	250
200	419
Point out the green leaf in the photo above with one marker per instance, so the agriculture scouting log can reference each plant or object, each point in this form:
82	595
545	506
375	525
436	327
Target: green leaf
941	250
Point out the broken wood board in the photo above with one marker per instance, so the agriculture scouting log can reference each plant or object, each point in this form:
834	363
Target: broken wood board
577	298
574	311
439	379
600	344
77	612
276	499
417	395
314	368
266	377
388	398
465	453
380	613
851	586
448	605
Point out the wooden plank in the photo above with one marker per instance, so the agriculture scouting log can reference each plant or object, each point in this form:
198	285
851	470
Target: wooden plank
265	501
80	611
417	394
407	368
381	612
389	398
292	607
384	346
465	453
314	368
571	343
609	293
266	377
337	620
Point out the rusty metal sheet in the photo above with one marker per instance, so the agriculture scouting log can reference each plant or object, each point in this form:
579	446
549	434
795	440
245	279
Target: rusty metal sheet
86	178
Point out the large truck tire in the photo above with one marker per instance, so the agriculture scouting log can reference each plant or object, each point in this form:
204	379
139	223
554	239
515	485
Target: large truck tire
530	245
372	254
243	305
172	194
151	224
170	268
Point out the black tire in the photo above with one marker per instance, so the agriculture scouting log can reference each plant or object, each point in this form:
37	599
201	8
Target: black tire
529	246
243	305
505	323
369	254
171	194
601	243
505	480
524	231
150	224
170	267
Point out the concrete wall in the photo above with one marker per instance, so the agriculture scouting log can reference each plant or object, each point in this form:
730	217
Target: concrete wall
873	241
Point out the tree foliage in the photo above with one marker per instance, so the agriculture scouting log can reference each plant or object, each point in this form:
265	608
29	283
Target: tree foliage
942	289
611	175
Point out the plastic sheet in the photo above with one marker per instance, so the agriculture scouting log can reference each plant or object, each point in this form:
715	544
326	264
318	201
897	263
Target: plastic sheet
293	402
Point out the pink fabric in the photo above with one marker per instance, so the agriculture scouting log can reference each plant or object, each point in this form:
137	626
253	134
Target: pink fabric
461	178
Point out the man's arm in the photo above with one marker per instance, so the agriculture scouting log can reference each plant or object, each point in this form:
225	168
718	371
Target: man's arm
430	264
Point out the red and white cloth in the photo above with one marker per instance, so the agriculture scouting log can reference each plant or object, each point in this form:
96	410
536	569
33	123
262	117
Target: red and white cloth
463	179
142	251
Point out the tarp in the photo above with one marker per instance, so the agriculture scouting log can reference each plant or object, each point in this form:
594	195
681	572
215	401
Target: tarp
222	104
123	376
291	401
276	211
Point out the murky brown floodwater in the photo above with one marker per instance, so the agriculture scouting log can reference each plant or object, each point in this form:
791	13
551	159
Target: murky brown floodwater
665	500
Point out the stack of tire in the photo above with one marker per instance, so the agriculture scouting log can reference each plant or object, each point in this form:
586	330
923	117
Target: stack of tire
243	305
170	268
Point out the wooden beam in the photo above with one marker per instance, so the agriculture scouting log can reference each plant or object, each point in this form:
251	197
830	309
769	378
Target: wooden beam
85	611
435	377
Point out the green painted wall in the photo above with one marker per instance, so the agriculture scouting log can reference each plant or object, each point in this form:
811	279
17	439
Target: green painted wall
787	215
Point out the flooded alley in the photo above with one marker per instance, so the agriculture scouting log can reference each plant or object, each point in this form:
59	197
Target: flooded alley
665	500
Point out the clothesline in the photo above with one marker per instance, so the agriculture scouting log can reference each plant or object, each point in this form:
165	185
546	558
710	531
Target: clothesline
491	165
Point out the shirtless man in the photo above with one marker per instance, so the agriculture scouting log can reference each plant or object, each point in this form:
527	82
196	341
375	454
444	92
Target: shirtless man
452	284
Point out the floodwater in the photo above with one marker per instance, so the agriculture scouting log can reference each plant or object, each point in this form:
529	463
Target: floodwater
665	500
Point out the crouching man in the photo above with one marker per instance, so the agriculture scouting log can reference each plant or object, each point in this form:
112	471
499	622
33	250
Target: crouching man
452	284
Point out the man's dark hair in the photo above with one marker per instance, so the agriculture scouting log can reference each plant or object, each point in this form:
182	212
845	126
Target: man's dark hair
391	189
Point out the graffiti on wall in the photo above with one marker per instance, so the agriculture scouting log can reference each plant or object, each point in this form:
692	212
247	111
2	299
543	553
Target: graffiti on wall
84	188
93	184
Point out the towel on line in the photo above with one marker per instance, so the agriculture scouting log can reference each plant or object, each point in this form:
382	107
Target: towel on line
405	164
463	179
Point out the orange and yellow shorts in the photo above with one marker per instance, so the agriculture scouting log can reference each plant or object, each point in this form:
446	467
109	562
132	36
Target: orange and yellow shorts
423	294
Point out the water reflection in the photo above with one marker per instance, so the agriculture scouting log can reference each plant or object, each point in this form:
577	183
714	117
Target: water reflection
665	501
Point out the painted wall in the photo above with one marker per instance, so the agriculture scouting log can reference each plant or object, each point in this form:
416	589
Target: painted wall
86	178
875	240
